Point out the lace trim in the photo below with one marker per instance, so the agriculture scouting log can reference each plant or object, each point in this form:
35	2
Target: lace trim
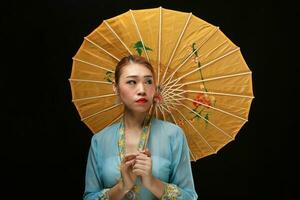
171	192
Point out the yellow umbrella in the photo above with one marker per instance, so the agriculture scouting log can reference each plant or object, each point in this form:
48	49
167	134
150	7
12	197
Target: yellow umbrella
204	84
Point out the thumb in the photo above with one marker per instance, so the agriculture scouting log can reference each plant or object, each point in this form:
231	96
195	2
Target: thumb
147	152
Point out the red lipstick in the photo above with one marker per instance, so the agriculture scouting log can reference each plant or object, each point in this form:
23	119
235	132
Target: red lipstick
141	100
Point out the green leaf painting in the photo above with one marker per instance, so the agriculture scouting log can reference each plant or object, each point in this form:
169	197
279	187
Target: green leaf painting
139	47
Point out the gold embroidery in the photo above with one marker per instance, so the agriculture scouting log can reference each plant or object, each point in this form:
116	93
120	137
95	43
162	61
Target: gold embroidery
122	149
104	195
171	192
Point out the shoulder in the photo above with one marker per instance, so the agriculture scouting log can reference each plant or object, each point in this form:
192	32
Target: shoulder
105	134
172	130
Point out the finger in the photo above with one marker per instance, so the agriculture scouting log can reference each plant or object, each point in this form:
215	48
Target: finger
141	166
142	162
143	157
139	172
146	152
130	157
129	163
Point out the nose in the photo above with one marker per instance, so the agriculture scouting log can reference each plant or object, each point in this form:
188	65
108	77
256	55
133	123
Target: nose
141	89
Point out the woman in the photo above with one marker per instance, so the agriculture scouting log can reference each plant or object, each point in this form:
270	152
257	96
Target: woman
117	167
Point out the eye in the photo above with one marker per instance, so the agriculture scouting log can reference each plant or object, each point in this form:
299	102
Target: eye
131	82
149	81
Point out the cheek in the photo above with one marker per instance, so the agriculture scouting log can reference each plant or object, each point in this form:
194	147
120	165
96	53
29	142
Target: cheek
126	93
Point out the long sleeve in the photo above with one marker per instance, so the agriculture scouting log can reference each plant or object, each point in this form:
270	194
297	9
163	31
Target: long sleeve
181	184
93	185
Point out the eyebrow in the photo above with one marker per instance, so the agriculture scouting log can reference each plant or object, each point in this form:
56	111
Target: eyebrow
134	76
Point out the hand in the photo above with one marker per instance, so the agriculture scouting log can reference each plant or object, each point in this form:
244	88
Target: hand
128	177
143	167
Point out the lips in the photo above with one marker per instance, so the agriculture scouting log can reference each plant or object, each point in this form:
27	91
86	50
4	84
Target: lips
141	100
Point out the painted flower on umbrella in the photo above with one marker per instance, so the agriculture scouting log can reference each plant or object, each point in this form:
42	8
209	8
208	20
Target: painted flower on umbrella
202	100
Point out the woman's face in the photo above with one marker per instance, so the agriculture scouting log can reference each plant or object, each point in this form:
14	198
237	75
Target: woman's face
136	87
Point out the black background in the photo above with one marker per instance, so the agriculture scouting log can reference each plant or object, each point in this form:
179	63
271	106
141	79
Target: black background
44	144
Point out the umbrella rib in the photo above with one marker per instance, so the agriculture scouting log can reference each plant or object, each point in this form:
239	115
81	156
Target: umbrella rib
92	54
99	112
159	44
218	109
138	31
204	80
205	65
94	65
211	33
214	108
167	109
176	46
207	121
195	130
217	78
90	41
94	97
112	30
162	112
116	119
213	93
89	81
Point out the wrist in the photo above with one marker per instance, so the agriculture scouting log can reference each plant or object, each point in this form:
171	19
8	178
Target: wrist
150	182
122	189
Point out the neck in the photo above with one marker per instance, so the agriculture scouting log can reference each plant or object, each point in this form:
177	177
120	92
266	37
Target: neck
134	120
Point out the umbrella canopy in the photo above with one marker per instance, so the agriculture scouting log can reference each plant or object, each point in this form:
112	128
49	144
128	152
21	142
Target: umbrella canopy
204	84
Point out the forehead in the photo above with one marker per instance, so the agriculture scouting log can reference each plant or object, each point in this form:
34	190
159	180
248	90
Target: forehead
135	69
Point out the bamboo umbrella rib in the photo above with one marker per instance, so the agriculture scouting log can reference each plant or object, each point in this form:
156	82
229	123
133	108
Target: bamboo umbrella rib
170	101
116	119
162	112
167	109
217	78
159	45
171	114
195	130
214	49
230	105
112	30
212	107
89	81
90	41
94	65
213	93
171	94
138	31
203	66
217	109
208	36
176	46
101	111
94	97
163	108
92	54
156	114
199	148
231	138
168	98
203	80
